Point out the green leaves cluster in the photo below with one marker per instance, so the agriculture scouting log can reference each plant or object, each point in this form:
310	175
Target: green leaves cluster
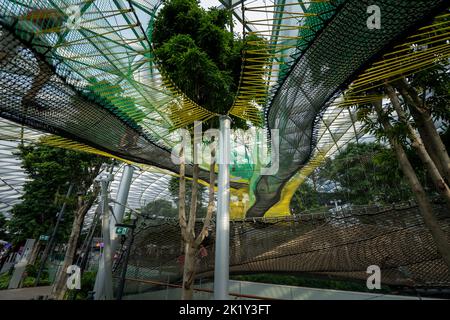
3	234
50	170
434	85
199	54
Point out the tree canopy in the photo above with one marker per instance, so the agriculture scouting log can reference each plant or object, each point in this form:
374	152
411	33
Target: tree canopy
51	170
367	173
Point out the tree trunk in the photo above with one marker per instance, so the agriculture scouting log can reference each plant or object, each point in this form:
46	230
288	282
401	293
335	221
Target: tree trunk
191	242
191	249
418	145
182	195
425	125
182	214
190	253
35	252
59	287
438	235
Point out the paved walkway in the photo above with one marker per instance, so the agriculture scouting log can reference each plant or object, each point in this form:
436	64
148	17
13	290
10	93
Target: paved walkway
25	293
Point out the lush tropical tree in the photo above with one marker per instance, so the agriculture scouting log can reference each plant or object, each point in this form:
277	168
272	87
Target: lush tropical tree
204	60
51	170
426	99
366	173
394	124
305	198
43	194
360	174
434	168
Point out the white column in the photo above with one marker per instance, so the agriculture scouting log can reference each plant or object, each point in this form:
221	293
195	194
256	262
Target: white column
107	253
221	269
103	280
119	205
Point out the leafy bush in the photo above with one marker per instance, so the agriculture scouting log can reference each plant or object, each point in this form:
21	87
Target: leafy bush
29	282
32	270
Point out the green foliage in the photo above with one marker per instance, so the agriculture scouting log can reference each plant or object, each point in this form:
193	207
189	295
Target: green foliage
87	284
4	280
367	115
433	87
367	173
50	171
362	174
29	282
88	281
199	54
306	198
435	80
31	271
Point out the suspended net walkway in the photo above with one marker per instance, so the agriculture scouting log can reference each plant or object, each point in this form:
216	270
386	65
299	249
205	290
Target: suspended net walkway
339	245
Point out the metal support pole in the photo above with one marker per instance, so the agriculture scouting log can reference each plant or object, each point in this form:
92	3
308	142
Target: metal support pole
221	269
88	243
107	252
121	202
51	241
125	262
103	282
119	210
